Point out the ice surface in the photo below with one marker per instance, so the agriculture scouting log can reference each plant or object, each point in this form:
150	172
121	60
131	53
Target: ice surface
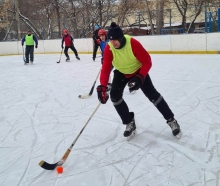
41	115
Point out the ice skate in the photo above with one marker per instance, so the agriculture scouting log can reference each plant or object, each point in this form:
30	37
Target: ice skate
26	63
175	127
67	59
132	135
31	62
130	130
77	57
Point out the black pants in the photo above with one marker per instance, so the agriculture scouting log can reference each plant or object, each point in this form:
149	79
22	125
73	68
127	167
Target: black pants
29	51
118	84
95	48
72	48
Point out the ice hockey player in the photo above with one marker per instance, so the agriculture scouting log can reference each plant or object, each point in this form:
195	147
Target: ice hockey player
132	64
96	41
103	42
29	40
68	39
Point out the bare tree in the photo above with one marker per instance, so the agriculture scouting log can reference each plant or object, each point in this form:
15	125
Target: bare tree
57	8
46	18
150	17
5	24
192	7
160	15
197	11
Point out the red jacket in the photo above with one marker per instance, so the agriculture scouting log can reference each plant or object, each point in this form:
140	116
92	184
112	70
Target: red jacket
68	39
139	52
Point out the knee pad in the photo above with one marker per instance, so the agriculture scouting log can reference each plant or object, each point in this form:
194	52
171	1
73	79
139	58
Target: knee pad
157	101
115	102
115	98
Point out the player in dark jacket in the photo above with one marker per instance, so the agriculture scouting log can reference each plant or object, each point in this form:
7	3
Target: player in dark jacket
132	64
68	39
96	41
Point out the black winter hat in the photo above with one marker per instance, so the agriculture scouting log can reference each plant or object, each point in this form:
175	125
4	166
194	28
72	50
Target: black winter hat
114	32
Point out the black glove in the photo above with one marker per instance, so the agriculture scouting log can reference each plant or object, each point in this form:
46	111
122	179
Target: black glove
62	46
35	46
22	44
102	94
135	82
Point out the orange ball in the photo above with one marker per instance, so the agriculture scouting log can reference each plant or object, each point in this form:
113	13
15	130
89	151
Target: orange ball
59	169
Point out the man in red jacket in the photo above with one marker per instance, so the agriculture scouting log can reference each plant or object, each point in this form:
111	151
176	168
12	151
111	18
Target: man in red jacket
68	39
132	64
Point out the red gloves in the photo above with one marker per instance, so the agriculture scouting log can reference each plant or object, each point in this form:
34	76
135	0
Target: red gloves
98	41
102	94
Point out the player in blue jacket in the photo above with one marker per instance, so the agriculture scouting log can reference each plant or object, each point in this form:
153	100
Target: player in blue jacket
103	42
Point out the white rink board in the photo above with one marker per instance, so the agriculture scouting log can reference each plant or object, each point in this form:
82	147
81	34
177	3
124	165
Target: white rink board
213	41
188	42
155	43
84	44
9	47
162	43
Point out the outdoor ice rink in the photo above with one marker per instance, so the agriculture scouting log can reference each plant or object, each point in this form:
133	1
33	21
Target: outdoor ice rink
41	115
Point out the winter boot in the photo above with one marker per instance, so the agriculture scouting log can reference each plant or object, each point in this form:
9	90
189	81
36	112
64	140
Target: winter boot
77	57
130	127
175	127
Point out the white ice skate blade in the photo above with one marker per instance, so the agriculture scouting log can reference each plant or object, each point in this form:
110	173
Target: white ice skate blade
179	135
132	135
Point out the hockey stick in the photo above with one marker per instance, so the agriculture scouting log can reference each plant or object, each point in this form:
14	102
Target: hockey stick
24	59
52	166
91	91
60	56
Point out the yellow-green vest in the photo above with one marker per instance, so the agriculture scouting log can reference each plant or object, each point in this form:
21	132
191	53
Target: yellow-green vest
124	59
29	40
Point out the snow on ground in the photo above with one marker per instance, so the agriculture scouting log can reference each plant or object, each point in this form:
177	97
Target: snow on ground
41	115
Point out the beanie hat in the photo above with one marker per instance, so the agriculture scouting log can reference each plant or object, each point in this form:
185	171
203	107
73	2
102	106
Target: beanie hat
114	32
96	27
